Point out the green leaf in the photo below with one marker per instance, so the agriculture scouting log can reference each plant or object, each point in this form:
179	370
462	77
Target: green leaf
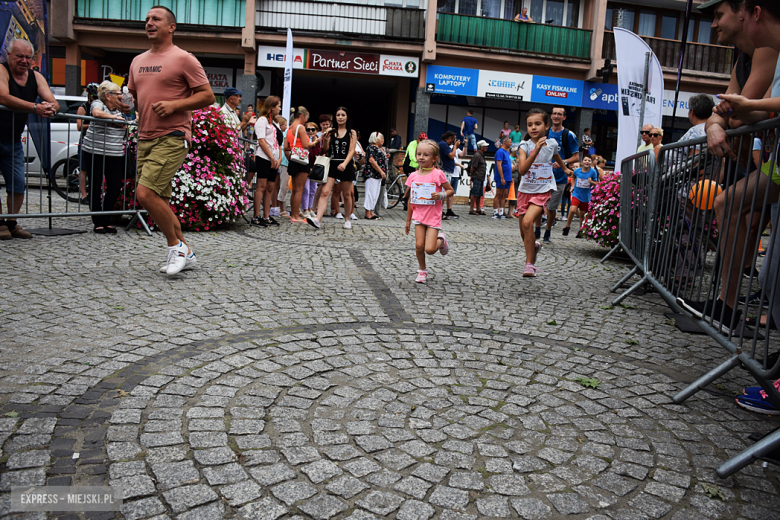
632	342
12	414
588	382
720	386
606	307
119	308
552	322
577	349
232	265
607	268
627	306
713	492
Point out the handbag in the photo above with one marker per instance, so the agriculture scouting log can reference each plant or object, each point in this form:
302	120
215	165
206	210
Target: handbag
319	172
299	153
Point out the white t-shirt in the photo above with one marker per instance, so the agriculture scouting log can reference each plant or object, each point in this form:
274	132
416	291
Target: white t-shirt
458	153
540	178
267	131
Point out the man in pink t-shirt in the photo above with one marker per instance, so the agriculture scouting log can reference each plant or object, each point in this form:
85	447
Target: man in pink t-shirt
167	84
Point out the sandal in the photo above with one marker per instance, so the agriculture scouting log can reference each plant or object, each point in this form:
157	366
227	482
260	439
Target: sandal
100	230
110	230
755	322
297	221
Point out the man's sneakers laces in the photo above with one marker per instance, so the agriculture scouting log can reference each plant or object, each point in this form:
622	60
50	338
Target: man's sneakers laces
422	275
177	258
444	248
190	263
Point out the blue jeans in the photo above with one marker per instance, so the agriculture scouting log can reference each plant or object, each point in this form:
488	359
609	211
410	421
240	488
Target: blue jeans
12	166
471	142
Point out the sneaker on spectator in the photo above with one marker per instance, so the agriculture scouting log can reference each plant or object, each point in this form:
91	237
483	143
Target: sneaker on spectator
347	224
190	263
353	217
703	311
566	231
547	236
451	214
177	258
422	275
339	215
271	221
757	403
314	222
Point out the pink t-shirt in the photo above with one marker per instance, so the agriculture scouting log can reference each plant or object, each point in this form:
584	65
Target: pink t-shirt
164	76
425	210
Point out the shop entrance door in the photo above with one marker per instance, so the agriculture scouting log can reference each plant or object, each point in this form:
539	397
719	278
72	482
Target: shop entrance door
371	102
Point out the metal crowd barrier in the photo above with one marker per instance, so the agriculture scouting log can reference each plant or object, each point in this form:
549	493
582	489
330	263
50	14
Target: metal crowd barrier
53	163
693	228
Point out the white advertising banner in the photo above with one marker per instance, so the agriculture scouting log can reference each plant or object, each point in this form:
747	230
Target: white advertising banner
219	78
288	71
631	50
504	85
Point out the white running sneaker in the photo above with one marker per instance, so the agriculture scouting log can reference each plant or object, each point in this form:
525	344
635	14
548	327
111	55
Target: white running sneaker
347	224
353	217
189	264
339	215
177	258
314	222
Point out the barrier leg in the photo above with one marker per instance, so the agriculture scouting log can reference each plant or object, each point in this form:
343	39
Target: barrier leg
628	293
138	218
706	379
762	447
623	280
611	252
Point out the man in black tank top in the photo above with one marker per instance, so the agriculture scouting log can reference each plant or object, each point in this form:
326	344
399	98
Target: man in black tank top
19	88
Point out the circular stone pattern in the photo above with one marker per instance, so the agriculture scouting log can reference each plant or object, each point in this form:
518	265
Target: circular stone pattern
409	424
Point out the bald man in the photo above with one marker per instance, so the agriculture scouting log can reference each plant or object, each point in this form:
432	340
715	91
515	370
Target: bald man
646	144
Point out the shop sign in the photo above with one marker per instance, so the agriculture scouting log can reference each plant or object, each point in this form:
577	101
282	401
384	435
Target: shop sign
557	91
219	78
600	96
341	61
451	80
682	103
504	85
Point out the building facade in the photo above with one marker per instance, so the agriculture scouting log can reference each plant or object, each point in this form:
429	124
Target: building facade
413	65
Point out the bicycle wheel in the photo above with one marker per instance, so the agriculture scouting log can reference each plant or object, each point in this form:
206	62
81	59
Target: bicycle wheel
65	175
394	194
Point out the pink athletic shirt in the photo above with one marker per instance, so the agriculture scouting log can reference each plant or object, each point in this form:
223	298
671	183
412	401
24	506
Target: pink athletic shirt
421	183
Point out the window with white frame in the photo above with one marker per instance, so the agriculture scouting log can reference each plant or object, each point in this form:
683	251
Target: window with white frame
554	12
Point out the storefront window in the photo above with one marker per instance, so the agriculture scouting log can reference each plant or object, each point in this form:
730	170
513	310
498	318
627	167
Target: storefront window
669	26
646	23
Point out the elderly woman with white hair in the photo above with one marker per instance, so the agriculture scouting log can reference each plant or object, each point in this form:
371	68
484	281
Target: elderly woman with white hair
376	170
103	153
656	136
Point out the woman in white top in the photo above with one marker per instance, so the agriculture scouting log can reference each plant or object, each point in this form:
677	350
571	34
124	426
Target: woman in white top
268	158
298	138
103	153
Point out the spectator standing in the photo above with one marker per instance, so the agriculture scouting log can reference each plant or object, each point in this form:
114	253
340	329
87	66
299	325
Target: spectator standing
523	16
447	150
230	110
516	136
656	136
281	187
82	126
163	104
503	178
504	132
300	135
310	187
394	142
587	143
646	144
104	154
570	151
375	172
468	127
20	86
268	159
478	170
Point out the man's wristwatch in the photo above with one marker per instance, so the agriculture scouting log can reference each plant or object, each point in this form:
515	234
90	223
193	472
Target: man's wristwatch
35	105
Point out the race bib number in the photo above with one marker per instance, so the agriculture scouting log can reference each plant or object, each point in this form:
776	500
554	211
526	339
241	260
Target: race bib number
539	173
422	193
583	183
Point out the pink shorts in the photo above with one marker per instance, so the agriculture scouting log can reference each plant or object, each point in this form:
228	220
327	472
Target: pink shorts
537	199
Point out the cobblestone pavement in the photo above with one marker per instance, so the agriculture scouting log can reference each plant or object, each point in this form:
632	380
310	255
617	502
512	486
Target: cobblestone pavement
303	374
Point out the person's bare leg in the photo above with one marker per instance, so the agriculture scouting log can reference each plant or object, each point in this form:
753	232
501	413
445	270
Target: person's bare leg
419	244
348	195
268	197
162	215
572	211
298	182
432	241
259	193
527	227
334	200
322	205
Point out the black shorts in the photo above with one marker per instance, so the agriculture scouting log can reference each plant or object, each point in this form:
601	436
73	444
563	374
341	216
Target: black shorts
264	170
348	175
476	188
294	168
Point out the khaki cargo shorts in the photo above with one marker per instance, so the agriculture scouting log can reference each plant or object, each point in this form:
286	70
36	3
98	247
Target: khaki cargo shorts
158	161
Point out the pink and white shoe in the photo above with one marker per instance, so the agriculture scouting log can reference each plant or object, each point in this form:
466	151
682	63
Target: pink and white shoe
445	246
422	275
537	248
529	271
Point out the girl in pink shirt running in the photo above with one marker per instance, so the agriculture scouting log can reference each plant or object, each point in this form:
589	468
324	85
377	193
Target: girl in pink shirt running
427	188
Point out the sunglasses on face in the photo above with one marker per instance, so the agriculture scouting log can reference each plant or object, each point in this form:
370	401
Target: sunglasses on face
311	129
645	132
655	135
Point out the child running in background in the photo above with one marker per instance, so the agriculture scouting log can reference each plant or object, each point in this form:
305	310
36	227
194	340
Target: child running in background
534	162
427	188
584	179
